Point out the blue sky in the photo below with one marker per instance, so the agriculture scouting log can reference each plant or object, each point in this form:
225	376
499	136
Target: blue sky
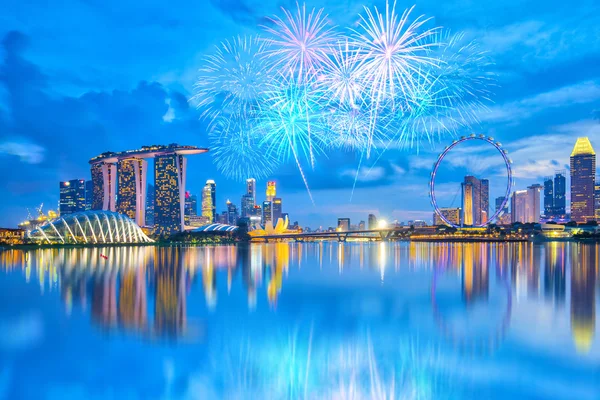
78	78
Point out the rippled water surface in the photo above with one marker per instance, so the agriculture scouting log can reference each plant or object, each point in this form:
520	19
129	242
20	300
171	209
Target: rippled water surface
301	321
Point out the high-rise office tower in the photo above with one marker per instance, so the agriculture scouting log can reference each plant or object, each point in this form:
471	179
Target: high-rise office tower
525	205
476	209
150	205
72	196
104	180
169	193
549	197
484	201
271	191
191	207
247	205
131	197
468	209
534	203
361	226
504	218
276	209
343	224
583	179
597	200
267	213
372	222
232	213
518	206
89	194
251	189
560	193
209	201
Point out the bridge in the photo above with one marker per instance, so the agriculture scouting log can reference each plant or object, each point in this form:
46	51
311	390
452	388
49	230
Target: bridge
384	234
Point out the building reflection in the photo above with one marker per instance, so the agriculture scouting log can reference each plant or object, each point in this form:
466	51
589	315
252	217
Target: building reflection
144	290
583	296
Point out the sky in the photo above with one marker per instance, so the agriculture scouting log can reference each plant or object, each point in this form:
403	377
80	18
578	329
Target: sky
78	78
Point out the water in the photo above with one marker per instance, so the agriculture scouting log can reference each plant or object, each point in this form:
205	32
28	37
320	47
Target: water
301	321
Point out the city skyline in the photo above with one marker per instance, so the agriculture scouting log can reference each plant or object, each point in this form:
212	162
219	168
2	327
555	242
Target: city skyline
542	118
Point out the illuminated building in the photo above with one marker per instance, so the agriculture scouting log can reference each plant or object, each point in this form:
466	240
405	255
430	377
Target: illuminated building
597	200
150	206
209	201
361	226
560	193
232	213
451	214
251	189
191	207
467	204
271	191
169	183
525	205
72	196
343	224
104	180
247	205
267	213
484	200
198	220
583	179
169	192
94	226
504	218
89	195
12	236
372	220
276	208
549	197
131	190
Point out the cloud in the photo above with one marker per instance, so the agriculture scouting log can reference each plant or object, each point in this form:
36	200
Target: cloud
516	111
27	152
365	174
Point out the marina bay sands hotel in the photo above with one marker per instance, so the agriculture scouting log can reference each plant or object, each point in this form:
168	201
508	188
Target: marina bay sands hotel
119	184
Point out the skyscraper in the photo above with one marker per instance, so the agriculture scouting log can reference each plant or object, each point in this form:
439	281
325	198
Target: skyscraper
484	201
504	218
72	196
267	213
271	191
525	205
169	192
131	198
468	210
597	200
209	201
89	194
191	207
343	224
560	191
247	205
549	197
276	209
104	180
232	213
583	179
251	189
150	205
372	221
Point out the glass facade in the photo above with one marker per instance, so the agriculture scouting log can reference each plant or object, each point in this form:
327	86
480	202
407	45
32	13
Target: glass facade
267	213
560	193
276	209
97	187
209	201
549	197
131	196
150	205
72	196
169	187
583	180
271	190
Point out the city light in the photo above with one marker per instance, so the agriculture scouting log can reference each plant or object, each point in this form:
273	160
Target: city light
382	223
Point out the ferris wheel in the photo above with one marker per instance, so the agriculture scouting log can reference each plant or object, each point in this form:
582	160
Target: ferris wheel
509	181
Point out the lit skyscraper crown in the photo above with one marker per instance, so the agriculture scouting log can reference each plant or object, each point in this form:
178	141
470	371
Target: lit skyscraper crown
583	146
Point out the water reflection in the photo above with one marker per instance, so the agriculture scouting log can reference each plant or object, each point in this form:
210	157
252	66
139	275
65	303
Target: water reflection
145	289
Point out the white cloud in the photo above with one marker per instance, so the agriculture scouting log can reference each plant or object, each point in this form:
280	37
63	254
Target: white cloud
170	114
27	152
365	174
580	93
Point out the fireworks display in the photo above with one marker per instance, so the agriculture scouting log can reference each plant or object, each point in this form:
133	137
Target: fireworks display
307	87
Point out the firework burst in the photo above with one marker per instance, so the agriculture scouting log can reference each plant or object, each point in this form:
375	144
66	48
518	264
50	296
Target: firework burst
299	42
232	78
